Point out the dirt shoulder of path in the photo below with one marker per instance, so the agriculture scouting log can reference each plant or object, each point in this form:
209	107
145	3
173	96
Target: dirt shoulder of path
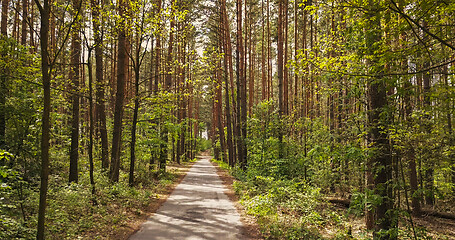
250	229
125	231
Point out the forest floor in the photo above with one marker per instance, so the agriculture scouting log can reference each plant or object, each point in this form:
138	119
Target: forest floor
425	226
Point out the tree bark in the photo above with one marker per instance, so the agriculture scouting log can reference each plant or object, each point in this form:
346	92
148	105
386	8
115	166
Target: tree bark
24	22
409	150
74	76
269	56
120	94
241	90
4	33
135	117
428	174
157	55
280	72
45	133
219	111
284	24
228	91
167	86
91	121
251	54
100	83
380	160
4	23
263	66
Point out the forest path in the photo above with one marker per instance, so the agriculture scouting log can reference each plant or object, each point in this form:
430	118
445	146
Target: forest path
197	209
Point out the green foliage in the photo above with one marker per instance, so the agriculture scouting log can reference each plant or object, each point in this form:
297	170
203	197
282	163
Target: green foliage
16	197
19	70
72	209
286	194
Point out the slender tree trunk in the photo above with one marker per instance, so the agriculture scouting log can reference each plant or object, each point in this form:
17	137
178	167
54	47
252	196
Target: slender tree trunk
183	100
284	24
100	83
251	69
24	22
167	86
230	71
280	71
157	55
227	72
409	150
296	105
214	125
120	94
263	66
189	129
219	103
4	23
135	117
4	34
230	143
91	121
15	33
305	77
45	133
429	178
269	56
241	89
3	93
74	76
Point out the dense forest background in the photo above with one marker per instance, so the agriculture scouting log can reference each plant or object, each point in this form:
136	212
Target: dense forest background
308	103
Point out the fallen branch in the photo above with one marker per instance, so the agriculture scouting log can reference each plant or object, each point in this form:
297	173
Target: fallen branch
340	201
445	215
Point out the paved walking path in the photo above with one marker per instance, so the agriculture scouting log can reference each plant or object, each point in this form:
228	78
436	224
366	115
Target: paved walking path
197	209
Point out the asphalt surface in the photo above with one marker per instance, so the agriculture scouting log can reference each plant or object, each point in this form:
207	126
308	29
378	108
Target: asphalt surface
196	209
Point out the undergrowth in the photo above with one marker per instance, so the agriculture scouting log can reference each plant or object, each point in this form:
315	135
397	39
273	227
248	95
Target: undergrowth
74	213
286	209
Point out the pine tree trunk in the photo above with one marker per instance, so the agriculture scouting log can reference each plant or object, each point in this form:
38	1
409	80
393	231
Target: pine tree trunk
251	69
231	119
219	111
4	34
24	22
4	22
74	76
120	94
91	121
157	56
409	150
227	74
241	89
428	174
133	128
263	66
269	56
296	101
100	84
280	71
167	86
15	33
380	161
284	23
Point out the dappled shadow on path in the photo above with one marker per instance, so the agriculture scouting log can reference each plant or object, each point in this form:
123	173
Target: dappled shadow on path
197	209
